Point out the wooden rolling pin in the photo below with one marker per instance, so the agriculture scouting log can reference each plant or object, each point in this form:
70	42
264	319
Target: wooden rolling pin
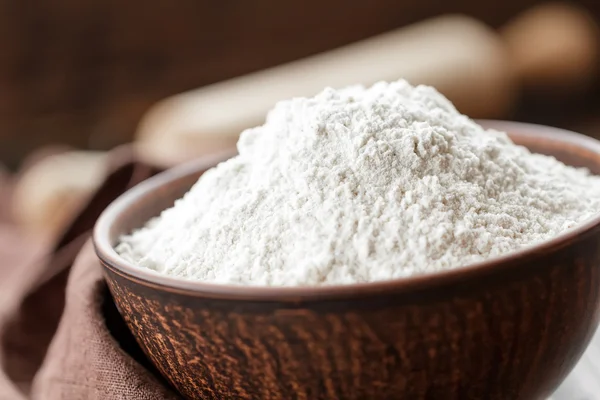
458	55
50	189
554	46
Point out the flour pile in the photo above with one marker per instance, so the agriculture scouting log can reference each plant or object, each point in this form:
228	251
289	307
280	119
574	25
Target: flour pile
360	185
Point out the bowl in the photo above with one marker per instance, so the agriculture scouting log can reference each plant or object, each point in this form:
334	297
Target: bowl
511	327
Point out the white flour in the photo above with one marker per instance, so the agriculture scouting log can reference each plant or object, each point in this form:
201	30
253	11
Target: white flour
360	185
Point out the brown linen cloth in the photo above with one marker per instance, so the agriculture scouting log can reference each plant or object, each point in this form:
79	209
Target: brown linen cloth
60	334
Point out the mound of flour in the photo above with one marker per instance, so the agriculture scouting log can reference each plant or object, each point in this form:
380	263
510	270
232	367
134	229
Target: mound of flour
359	185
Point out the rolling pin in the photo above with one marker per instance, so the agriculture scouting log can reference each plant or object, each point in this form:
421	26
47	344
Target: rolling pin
52	186
461	57
553	46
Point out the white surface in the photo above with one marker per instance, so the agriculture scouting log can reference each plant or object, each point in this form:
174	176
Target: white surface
584	381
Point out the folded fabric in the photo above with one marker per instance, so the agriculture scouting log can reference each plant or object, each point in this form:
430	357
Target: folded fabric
61	336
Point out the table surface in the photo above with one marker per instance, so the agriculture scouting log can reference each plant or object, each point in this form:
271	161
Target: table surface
584	381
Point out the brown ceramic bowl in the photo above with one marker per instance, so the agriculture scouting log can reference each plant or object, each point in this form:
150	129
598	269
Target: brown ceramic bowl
508	328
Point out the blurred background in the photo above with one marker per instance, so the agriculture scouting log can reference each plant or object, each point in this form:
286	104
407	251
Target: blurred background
95	75
175	80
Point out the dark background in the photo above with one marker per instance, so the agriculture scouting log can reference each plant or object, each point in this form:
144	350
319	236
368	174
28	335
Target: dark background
82	73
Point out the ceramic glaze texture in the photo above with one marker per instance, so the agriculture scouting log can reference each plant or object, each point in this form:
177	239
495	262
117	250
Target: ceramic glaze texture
509	329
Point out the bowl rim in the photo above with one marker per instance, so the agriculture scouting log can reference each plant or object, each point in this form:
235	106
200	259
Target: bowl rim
113	261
